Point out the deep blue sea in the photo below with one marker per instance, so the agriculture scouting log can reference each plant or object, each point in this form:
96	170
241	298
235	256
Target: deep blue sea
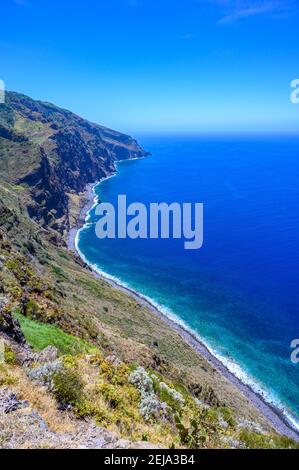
240	291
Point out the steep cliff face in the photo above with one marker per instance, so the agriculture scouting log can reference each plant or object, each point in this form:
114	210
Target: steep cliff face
53	152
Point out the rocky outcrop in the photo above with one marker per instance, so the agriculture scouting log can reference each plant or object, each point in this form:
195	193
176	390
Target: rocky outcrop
9	401
22	427
10	326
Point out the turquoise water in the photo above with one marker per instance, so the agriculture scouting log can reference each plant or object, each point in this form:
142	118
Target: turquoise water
239	292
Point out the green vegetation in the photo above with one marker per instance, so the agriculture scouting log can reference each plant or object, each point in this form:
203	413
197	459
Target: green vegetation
253	440
7	377
99	389
40	335
58	271
63	254
9	356
68	386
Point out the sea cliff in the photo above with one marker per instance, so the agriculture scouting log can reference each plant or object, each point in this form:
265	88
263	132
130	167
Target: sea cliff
66	153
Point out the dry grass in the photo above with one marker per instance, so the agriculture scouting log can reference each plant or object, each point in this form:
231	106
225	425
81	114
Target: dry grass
39	400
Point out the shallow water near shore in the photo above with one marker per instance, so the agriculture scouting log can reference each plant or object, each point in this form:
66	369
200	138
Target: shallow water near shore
239	292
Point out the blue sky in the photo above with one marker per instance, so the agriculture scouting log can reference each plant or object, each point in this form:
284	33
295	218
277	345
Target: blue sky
149	65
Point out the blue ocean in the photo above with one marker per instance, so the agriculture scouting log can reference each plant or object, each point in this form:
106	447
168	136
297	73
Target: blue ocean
240	292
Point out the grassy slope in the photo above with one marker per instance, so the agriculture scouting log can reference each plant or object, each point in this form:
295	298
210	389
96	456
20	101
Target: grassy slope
40	335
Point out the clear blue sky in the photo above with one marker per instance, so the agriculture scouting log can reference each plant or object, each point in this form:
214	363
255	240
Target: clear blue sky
149	65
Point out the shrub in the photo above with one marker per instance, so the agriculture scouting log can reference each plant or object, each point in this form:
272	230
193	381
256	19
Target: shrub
202	431
226	414
68	387
107	370
171	396
149	404
84	408
58	271
142	381
111	395
63	255
32	309
120	376
9	356
189	436
6	378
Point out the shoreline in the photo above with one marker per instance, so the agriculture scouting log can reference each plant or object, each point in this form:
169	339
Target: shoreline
272	413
